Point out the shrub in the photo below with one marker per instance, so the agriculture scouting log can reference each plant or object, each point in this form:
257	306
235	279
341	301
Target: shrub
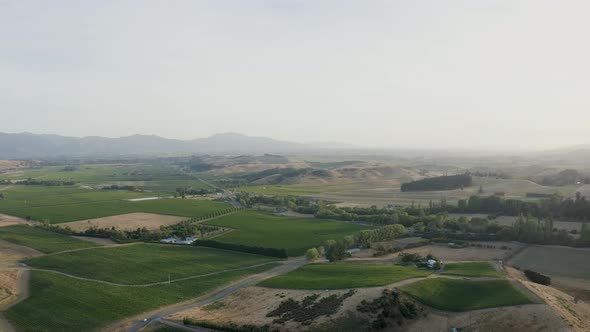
537	277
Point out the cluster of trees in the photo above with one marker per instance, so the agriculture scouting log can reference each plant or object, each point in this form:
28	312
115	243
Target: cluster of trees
119	187
34	182
564	178
182	192
537	277
189	228
553	206
491	174
297	204
389	310
447	182
272	252
337	250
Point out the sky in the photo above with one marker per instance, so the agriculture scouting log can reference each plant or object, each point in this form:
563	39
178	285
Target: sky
404	74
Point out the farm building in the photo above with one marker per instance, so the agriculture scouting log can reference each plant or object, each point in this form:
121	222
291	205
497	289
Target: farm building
431	263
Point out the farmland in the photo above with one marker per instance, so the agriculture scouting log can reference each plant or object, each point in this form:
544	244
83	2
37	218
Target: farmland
339	276
42	240
59	303
462	295
145	263
82	211
555	261
470	269
296	235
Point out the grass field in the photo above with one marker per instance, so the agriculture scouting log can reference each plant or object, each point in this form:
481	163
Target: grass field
83	211
296	235
40	239
471	269
463	295
555	261
58	303
339	276
145	263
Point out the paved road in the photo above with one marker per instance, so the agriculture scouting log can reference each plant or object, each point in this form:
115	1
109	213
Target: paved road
286	267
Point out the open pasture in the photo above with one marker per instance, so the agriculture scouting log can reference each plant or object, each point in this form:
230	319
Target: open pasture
344	275
145	263
470	269
462	295
387	192
296	235
59	303
85	211
40	239
128	222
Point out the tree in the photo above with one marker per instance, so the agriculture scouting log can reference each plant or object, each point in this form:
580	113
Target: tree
312	254
480	190
336	252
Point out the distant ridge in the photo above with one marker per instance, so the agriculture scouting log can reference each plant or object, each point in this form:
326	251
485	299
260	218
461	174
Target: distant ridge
28	145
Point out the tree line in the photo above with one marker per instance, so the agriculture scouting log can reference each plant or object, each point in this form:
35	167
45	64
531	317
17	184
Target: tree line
447	182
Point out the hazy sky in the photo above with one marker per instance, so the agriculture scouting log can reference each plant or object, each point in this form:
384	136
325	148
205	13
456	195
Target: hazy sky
494	74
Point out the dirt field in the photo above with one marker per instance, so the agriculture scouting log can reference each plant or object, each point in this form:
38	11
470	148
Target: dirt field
446	254
250	306
8	285
11	253
6	220
129	221
575	314
530	317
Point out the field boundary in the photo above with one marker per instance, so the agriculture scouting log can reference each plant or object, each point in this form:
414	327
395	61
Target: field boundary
159	283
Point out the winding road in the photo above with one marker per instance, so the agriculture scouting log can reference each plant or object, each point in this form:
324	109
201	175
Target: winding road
158	316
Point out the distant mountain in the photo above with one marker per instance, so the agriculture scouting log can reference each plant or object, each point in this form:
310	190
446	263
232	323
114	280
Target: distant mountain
28	146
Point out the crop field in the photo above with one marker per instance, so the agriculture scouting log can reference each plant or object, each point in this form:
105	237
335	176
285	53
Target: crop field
19	197
471	269
145	263
386	192
296	235
146	177
340	276
555	261
40	239
129	222
462	295
74	212
59	303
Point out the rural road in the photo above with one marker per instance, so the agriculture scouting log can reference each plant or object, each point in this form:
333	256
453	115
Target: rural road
286	267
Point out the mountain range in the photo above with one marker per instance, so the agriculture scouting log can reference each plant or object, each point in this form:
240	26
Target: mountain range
28	145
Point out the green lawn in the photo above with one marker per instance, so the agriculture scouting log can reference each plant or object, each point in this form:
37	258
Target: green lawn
463	295
81	211
471	269
338	276
296	235
42	240
145	263
58	303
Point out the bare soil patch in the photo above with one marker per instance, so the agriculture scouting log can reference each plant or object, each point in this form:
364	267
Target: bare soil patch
530	317
129	221
250	306
8	286
6	220
11	253
446	254
97	240
575	313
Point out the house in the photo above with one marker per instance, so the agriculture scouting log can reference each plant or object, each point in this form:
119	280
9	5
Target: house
431	263
187	240
169	240
353	250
